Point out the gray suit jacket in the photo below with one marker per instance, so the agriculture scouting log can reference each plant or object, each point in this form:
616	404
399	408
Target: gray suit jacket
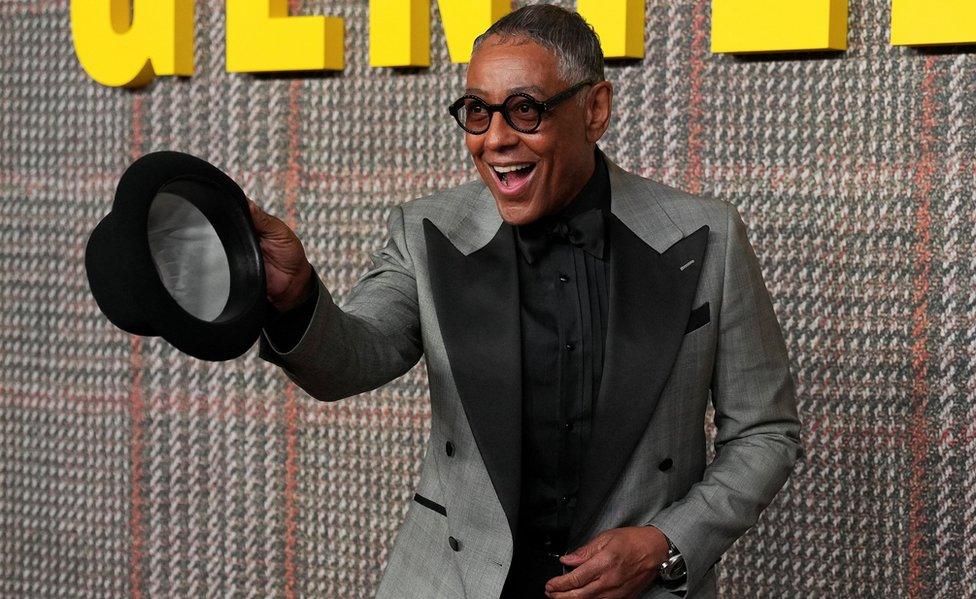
690	320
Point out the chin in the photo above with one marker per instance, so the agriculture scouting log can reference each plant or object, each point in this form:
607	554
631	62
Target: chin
516	213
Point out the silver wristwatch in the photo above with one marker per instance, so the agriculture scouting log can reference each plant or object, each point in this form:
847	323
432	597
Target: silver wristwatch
672	571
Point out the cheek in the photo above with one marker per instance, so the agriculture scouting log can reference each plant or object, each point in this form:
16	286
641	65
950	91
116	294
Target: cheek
473	142
543	146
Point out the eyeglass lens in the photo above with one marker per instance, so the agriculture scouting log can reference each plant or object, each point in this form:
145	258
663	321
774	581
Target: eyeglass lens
522	114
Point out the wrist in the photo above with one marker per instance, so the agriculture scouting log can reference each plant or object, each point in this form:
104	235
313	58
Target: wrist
656	547
306	288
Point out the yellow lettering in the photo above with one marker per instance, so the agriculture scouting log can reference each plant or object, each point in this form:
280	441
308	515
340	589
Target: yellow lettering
399	33
618	23
262	37
778	25
118	50
465	20
924	22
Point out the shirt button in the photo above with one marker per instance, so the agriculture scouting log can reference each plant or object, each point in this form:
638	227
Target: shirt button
563	278
449	448
454	543
570	346
568	426
665	464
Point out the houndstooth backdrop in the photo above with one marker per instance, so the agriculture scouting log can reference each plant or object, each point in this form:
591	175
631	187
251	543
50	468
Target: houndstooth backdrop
128	468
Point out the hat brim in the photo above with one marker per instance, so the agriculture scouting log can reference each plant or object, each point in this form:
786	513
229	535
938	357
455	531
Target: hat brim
127	284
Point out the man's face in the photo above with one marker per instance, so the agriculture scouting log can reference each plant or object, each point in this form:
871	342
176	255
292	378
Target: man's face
558	156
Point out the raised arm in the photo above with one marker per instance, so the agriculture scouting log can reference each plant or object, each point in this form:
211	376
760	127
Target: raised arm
372	339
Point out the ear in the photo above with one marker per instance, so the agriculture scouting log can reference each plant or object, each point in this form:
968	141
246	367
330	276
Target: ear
599	103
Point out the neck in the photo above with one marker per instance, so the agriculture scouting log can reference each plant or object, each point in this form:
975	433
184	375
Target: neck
586	171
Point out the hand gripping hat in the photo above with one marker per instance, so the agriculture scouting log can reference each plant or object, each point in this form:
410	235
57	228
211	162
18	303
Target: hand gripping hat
177	257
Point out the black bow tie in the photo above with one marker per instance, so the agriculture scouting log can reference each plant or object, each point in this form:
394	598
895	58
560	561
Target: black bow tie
585	230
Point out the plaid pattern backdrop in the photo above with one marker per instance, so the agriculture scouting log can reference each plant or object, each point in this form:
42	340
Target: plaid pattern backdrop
129	468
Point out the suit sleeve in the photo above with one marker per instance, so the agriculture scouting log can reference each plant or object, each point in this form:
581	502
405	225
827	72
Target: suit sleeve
285	329
372	339
757	441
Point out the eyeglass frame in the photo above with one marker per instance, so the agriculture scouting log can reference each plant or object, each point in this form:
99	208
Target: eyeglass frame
543	106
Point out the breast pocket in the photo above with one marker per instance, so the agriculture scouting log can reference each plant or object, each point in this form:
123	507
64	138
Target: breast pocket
698	318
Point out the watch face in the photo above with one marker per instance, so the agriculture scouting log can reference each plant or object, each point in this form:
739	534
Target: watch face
673	569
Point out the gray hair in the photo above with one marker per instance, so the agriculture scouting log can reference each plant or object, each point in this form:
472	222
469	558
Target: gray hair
579	56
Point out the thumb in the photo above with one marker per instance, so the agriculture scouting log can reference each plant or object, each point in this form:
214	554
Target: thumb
258	215
256	212
265	224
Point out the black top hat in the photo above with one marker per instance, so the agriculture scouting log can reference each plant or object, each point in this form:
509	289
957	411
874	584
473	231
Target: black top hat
178	257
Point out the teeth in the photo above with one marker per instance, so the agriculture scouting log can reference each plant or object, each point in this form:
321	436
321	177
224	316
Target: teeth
507	169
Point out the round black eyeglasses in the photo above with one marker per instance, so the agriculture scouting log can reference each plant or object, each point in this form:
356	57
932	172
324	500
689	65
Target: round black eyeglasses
521	111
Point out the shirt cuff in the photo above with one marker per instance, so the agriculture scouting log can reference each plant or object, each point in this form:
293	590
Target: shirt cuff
285	329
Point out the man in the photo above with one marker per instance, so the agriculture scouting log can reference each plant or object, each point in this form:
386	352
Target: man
574	329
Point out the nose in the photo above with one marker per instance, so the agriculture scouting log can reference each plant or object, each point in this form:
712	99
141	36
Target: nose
500	134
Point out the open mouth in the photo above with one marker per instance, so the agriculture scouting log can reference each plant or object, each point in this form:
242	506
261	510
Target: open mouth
511	178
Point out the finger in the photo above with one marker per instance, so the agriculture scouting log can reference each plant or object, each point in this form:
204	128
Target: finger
268	225
585	552
595	588
257	213
577	577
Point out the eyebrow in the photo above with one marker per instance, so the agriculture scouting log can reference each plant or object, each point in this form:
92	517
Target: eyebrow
525	89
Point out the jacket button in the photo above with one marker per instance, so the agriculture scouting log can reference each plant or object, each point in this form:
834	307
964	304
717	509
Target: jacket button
454	543
449	448
665	464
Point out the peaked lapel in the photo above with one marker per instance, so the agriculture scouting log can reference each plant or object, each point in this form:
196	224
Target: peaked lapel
474	281
650	302
476	297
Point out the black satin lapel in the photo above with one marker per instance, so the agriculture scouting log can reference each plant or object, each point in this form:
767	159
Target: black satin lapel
650	301
476	298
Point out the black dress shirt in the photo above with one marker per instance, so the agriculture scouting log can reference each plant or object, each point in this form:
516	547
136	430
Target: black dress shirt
564	306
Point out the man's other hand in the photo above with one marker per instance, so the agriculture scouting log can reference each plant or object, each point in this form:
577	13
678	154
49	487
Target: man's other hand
286	269
618	563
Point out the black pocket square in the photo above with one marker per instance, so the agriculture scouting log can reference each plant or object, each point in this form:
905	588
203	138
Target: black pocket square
699	317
